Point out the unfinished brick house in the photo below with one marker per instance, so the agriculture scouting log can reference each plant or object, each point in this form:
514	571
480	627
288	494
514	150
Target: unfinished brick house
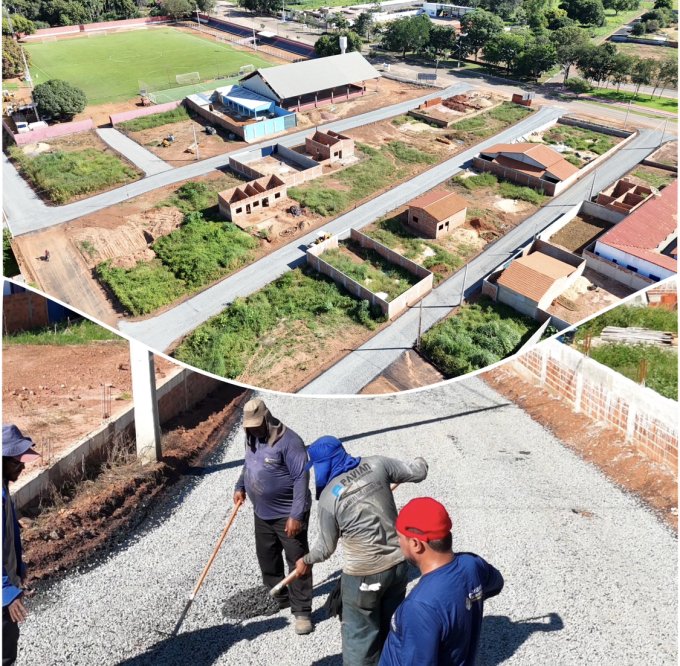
329	146
436	213
243	201
624	196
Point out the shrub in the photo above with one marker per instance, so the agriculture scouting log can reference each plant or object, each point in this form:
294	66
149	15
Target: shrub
59	99
476	182
511	191
578	86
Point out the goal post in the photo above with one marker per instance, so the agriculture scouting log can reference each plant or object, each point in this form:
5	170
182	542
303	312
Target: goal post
246	69
188	78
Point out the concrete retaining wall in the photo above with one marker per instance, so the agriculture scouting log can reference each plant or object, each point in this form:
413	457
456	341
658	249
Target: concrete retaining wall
96	27
52	132
124	116
177	394
602	129
647	419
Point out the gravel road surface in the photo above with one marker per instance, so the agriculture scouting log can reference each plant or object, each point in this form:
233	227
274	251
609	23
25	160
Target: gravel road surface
590	574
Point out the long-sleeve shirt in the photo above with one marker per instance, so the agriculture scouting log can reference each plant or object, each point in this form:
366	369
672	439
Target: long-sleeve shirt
275	479
439	623
358	506
13	568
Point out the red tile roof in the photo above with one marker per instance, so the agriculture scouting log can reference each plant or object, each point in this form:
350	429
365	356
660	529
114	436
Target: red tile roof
646	229
550	160
440	203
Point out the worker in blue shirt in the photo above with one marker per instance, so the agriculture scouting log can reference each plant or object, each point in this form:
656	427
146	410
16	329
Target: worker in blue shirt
440	621
16	452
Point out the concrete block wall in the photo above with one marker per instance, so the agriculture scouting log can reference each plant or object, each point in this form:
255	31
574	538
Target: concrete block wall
95	27
124	116
645	418
176	394
52	132
615	271
21	312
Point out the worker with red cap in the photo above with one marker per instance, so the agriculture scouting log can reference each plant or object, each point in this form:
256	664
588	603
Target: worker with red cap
440	621
17	450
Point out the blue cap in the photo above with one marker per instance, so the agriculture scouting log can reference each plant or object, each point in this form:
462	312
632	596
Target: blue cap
15	445
323	448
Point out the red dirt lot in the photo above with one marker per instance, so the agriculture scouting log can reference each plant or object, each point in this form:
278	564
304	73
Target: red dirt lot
54	393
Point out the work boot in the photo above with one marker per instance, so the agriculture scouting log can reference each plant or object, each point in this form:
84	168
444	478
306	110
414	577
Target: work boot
303	625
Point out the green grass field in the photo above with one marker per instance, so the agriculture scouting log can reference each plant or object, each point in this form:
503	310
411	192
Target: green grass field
660	103
110	68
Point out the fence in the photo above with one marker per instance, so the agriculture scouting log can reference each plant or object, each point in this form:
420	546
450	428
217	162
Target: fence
390	309
647	419
52	132
94	27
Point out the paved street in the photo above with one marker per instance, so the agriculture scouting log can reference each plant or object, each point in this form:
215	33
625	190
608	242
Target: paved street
26	212
355	370
590	574
161	331
149	163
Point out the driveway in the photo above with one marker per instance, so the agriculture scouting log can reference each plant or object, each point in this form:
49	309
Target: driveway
161	331
362	365
590	574
149	163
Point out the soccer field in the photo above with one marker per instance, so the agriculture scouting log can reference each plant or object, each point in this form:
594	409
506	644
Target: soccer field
109	67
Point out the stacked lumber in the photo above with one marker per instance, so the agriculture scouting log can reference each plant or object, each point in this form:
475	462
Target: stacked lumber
636	336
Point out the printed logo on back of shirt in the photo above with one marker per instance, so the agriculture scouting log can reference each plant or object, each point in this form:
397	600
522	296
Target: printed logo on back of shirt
472	597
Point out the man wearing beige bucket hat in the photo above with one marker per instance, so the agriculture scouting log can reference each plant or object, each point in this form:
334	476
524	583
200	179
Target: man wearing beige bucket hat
276	480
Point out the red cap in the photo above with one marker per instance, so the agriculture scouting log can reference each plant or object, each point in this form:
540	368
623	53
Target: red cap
427	516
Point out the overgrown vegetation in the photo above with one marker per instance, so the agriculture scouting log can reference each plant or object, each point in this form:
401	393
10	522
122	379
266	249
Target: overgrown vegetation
624	316
395	234
477	181
226	343
381	167
662	365
375	272
192	197
61	176
578	138
512	191
476	336
10	267
67	332
655	178
486	124
155	120
197	253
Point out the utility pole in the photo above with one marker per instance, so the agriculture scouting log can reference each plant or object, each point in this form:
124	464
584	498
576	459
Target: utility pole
625	120
420	324
592	187
195	142
198	18
462	291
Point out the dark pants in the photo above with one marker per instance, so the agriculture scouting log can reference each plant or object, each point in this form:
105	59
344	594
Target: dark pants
270	542
10	639
366	614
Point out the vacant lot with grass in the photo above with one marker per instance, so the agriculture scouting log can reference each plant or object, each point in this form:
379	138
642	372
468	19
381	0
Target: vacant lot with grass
370	269
659	103
80	332
655	177
475	336
580	139
111	67
199	252
624	316
331	195
472	130
281	333
155	120
68	172
614	20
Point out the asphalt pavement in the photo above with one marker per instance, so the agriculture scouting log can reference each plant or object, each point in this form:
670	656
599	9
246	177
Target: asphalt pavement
26	212
359	367
161	331
590	574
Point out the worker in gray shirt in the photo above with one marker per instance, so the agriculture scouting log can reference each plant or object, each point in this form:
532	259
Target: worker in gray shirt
356	504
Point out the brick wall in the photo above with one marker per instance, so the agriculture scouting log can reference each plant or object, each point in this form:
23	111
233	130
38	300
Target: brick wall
22	312
62	129
646	418
94	27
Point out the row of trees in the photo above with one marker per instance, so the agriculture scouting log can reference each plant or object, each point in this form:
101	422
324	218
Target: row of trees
46	13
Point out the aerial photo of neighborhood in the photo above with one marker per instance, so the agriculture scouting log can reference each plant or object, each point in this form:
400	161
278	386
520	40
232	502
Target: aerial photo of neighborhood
335	200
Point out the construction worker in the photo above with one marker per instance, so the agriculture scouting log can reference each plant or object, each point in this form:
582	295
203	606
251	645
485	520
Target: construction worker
356	504
17	450
440	621
276	480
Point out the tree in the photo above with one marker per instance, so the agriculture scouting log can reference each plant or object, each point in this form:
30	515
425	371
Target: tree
12	62
597	62
407	34
639	29
59	99
17	24
643	72
586	12
578	86
206	6
538	57
442	39
664	17
557	18
480	27
177	8
328	45
663	4
620	5
622	66
505	48
339	21
569	41
364	24
66	12
668	70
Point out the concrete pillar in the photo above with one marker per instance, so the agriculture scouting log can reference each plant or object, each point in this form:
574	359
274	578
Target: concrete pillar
147	422
578	392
